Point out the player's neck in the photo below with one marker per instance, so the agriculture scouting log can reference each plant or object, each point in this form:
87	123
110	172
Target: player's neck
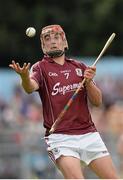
60	60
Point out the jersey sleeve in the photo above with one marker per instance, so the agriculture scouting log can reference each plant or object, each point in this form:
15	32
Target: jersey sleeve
36	74
83	66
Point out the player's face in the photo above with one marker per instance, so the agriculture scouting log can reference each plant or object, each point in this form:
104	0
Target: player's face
53	42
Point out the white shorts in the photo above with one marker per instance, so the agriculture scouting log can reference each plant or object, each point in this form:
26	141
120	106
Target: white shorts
86	147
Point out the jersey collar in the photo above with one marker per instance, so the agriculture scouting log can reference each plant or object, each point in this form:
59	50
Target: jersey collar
51	60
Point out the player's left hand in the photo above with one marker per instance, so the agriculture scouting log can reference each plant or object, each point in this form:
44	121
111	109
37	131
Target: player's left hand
89	73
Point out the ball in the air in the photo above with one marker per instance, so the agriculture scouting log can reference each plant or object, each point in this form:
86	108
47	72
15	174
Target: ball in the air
30	31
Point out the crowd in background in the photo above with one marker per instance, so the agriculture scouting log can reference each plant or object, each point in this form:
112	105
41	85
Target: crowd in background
21	126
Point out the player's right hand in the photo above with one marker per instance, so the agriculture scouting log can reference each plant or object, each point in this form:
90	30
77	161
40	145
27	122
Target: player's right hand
22	71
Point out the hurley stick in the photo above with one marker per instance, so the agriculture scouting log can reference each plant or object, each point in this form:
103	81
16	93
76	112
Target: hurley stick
81	85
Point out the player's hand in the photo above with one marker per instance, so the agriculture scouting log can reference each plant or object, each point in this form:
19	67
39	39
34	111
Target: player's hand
22	71
89	73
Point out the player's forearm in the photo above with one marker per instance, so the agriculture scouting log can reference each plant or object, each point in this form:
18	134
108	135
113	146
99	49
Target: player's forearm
94	94
27	84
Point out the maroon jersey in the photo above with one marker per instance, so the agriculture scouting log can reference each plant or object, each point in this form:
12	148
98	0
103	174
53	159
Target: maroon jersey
57	83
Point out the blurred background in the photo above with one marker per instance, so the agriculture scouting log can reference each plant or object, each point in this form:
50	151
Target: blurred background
88	24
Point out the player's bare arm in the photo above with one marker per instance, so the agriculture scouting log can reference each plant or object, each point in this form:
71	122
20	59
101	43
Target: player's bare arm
94	93
28	84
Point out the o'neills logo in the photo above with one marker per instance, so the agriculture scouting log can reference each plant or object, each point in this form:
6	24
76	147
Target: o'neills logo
64	89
